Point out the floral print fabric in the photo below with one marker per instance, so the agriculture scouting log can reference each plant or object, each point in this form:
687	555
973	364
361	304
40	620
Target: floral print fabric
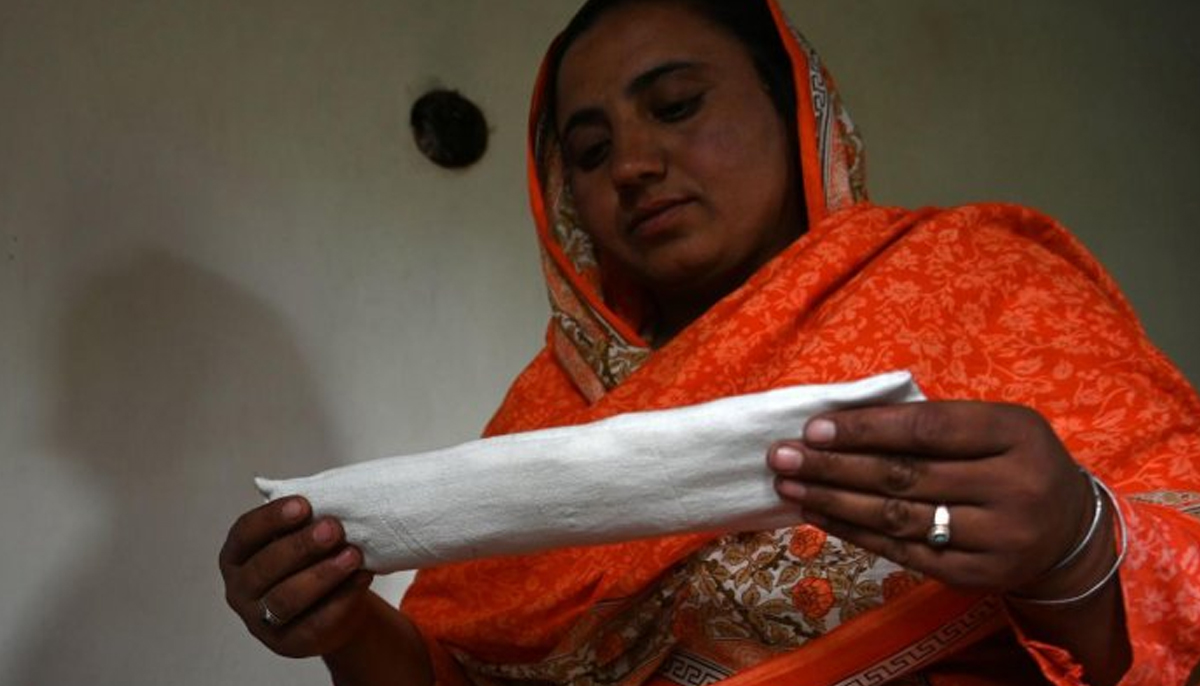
990	302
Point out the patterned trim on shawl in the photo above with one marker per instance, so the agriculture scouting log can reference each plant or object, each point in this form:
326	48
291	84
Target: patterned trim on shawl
840	148
687	669
930	648
1187	502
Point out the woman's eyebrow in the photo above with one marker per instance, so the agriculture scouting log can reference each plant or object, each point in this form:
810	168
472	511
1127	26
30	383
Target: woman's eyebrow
637	84
647	78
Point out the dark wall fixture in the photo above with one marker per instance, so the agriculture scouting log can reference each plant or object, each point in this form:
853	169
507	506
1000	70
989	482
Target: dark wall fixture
449	129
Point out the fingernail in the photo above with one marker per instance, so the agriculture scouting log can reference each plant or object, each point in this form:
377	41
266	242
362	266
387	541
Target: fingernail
347	559
293	509
793	490
324	533
820	431
788	458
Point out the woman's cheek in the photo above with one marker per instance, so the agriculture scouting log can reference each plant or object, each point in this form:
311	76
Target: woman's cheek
596	215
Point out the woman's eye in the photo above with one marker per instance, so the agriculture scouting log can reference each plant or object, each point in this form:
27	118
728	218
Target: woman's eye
678	110
590	156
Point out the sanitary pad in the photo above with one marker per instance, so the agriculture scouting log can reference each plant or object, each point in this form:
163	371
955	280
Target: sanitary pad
690	469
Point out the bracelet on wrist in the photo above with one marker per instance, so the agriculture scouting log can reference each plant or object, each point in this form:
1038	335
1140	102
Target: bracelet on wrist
1098	486
1097	515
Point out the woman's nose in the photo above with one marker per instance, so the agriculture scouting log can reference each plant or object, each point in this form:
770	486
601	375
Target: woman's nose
637	158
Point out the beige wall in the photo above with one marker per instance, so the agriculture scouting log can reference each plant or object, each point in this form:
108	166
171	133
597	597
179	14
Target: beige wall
221	255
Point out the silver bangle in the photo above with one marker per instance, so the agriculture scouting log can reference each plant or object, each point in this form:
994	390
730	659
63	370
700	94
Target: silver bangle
1123	537
1092	529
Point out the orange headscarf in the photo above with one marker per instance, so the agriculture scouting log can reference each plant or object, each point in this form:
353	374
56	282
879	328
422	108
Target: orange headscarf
985	302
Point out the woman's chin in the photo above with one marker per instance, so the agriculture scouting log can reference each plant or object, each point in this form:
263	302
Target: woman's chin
691	282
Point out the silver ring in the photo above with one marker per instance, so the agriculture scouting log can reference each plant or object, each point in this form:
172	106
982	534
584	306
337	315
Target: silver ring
939	534
269	618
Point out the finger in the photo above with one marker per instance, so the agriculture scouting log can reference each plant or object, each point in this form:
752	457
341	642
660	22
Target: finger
324	625
290	554
897	518
951	565
302	591
954	429
894	475
260	526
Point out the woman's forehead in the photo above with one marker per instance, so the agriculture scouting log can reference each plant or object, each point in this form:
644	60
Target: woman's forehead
637	38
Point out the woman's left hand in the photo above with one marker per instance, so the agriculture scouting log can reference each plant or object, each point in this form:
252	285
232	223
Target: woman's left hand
874	476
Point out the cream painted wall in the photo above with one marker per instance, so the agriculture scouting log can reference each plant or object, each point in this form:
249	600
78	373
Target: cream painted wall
221	255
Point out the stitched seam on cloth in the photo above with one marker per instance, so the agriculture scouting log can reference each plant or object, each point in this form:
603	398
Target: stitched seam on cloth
404	537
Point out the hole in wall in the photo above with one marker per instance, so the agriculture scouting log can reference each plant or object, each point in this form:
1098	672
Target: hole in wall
449	129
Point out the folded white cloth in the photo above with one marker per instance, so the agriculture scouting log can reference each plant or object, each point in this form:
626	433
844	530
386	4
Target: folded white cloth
696	468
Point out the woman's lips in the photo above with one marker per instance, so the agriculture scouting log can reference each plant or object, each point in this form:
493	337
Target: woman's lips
654	219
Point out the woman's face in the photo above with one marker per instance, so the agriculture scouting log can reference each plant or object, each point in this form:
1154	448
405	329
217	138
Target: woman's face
679	163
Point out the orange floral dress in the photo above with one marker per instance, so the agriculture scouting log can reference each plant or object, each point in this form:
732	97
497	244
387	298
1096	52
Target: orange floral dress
990	302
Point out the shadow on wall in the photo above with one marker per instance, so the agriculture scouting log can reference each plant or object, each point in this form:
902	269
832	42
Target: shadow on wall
175	389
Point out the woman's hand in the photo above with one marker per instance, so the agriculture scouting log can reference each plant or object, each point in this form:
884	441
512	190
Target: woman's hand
1017	501
294	581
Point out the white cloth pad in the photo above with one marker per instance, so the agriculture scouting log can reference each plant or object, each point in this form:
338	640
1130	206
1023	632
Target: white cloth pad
696	468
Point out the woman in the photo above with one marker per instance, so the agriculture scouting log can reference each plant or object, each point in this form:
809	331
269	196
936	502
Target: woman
697	190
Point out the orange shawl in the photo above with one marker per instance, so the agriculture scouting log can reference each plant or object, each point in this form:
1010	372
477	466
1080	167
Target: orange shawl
983	302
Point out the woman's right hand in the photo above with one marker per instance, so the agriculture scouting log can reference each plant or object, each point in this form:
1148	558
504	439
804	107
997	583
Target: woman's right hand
278	557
